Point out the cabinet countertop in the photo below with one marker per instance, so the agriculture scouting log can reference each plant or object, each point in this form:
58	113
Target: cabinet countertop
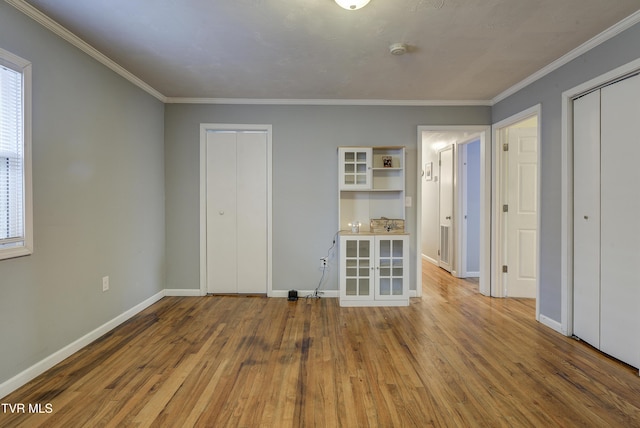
365	233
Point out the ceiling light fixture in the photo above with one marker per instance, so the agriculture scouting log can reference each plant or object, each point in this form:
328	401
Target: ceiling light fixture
352	4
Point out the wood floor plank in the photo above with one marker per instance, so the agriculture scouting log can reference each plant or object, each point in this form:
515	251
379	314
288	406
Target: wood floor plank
453	358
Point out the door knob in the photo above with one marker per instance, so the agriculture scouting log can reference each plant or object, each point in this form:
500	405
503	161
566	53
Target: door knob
221	212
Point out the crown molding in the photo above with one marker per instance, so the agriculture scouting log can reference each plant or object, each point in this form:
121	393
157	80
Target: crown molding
327	102
67	35
607	34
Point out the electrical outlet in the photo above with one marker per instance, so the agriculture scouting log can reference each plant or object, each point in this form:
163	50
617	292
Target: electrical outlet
105	283
323	262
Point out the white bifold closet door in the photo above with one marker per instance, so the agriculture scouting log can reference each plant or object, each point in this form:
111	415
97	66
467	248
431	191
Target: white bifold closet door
606	219
586	218
236	212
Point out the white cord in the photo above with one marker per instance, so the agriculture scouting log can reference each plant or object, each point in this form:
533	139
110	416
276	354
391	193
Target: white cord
316	293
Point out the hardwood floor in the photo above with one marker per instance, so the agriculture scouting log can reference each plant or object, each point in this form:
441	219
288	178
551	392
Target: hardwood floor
451	359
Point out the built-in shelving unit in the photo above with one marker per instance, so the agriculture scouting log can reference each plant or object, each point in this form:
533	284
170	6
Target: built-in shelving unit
373	263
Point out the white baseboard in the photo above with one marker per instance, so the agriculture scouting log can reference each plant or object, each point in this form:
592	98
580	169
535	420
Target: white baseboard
430	260
555	325
182	292
473	275
37	369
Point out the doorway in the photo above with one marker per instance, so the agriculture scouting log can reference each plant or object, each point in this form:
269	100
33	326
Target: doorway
431	141
235	217
516	206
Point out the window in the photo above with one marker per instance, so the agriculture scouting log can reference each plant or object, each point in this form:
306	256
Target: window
16	238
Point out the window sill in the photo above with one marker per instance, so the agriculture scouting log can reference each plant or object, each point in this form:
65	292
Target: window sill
13	252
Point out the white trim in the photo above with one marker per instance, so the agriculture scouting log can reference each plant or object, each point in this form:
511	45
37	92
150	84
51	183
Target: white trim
329	102
607	34
485	213
76	41
67	35
484	132
461	247
25	67
183	292
430	260
566	263
40	367
497	248
204	127
555	325
566	217
14	59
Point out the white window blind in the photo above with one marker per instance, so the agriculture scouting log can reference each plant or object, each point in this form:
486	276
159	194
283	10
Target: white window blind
12	159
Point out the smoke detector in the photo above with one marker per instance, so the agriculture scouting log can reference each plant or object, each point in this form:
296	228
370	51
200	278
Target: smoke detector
398	49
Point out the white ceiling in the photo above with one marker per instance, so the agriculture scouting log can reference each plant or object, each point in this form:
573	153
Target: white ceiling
313	49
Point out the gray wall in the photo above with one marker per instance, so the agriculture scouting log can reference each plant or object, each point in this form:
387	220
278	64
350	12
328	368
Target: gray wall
98	187
305	141
547	91
105	153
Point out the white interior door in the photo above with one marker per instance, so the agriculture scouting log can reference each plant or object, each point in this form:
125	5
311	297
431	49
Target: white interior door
522	201
620	228
586	218
445	157
252	211
237	212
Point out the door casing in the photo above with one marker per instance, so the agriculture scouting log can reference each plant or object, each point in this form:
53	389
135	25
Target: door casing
498	246
204	128
565	326
484	134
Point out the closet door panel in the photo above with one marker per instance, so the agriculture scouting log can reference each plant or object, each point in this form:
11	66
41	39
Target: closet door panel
586	218
620	229
252	212
221	213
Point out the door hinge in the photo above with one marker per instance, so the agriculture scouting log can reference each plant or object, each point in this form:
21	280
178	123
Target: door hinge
505	208
438	252
504	269
505	147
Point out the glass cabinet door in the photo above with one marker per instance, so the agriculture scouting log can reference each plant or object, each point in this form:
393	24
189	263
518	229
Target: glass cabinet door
391	280
355	168
358	267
